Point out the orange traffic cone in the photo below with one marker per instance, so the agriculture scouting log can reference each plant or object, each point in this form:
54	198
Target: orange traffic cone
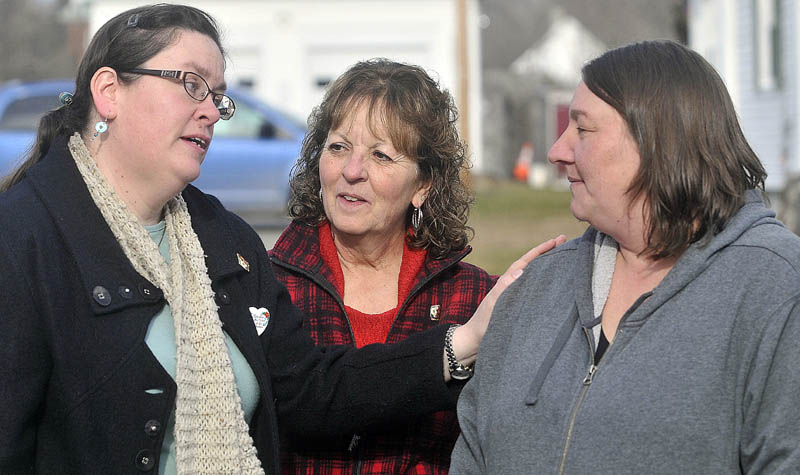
523	166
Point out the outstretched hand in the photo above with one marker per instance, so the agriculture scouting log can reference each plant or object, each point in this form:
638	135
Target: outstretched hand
467	338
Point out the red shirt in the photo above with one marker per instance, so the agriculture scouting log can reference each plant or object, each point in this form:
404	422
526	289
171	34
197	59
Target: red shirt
370	328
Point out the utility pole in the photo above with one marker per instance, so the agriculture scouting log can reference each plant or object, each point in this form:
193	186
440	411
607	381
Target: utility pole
462	43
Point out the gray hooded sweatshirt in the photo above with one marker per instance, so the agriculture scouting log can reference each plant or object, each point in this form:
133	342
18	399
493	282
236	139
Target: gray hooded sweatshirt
702	376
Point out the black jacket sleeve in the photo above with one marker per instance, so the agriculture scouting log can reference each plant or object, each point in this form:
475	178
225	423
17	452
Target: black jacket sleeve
335	390
25	368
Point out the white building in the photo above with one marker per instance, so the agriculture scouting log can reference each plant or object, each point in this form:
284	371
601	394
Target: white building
287	51
533	52
539	83
556	60
753	44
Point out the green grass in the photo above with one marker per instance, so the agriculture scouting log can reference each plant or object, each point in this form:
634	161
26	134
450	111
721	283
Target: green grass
510	200
509	218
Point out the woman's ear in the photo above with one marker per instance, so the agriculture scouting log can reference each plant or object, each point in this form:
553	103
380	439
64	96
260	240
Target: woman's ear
421	195
105	88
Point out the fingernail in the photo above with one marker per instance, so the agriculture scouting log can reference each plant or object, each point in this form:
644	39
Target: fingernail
516	273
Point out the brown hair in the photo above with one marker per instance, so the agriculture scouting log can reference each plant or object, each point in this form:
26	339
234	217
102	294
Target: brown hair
420	118
696	164
123	43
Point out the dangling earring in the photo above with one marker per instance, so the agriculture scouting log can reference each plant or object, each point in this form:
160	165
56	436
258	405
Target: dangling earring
416	218
100	128
320	194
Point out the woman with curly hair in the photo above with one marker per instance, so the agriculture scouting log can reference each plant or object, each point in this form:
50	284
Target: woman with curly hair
374	251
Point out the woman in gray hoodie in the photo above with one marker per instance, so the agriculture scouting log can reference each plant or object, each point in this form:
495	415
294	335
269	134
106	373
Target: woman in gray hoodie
665	339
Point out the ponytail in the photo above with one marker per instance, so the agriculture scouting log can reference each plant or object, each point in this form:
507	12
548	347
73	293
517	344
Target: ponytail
65	120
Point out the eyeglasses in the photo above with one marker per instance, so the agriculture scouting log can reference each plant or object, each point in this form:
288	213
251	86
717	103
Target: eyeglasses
196	87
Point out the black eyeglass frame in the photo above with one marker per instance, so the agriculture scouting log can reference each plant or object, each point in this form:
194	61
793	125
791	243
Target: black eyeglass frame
225	111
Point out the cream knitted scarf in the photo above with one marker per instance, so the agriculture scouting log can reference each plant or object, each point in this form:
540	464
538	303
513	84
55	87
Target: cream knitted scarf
210	431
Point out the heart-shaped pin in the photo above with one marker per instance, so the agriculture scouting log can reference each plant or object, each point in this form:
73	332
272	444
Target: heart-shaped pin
260	318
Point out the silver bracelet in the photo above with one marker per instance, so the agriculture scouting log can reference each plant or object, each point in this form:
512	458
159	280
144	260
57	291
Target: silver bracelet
457	370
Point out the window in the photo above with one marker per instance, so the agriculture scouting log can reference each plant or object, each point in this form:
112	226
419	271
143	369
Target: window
767	44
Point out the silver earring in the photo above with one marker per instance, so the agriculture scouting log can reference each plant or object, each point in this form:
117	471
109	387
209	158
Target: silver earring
416	218
100	128
320	194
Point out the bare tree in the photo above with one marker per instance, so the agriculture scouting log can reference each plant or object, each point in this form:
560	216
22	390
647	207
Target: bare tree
33	42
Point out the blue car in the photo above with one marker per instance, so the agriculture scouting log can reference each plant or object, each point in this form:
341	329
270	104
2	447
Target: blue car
247	166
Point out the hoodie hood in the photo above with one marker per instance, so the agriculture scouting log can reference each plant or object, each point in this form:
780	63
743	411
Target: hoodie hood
746	222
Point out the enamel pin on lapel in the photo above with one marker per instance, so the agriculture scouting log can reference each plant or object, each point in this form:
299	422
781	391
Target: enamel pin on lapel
260	318
434	312
243	262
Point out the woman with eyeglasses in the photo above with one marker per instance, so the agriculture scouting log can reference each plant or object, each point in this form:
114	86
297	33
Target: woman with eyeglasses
143	328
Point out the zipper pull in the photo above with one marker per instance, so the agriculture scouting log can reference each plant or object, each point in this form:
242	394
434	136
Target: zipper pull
588	379
353	443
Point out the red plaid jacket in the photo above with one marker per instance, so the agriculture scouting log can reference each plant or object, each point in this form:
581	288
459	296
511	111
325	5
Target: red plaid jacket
446	291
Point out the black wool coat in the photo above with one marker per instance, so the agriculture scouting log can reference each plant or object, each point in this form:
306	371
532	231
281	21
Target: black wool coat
80	391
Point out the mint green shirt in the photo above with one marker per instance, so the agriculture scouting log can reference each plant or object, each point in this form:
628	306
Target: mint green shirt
160	339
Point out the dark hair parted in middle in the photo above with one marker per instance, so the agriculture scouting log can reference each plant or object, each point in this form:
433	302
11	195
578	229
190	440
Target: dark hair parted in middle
420	119
696	164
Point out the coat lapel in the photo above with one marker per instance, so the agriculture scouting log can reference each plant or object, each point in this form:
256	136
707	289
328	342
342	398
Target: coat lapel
109	280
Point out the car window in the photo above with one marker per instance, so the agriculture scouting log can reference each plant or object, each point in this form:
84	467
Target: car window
24	114
249	123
